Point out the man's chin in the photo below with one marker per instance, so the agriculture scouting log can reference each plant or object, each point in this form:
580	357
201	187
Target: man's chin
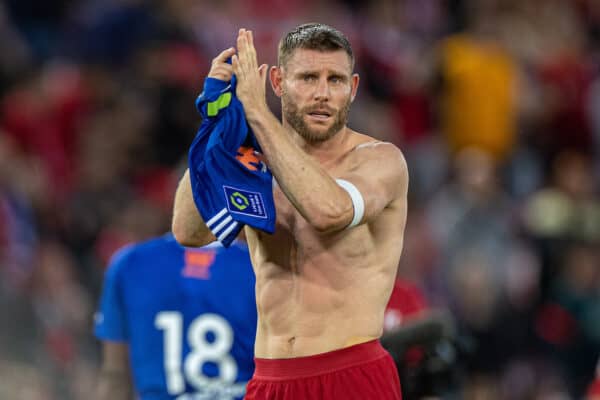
318	128
317	135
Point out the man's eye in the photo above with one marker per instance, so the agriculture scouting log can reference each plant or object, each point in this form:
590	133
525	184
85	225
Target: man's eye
309	78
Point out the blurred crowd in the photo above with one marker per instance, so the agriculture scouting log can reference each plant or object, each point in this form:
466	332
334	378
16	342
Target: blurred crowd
495	104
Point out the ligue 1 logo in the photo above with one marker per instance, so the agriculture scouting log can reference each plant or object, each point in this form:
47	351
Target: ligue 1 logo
245	202
239	200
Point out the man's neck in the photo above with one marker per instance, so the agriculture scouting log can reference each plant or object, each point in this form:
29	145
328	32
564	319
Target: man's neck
322	150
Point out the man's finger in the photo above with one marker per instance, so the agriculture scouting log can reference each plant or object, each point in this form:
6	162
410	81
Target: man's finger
222	70
250	41
250	37
262	71
224	55
235	64
241	40
222	67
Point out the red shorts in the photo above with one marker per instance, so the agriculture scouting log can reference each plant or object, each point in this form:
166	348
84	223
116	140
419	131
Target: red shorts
361	372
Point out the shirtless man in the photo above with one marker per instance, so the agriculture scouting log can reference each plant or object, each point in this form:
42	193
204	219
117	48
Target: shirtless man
324	278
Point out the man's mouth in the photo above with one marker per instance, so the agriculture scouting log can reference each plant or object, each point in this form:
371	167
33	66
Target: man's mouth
321	115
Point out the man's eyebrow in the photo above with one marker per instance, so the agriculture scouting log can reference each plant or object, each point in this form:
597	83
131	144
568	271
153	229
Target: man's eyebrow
338	75
306	72
330	72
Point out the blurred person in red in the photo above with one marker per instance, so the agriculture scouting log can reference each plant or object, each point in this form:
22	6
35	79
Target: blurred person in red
593	390
41	113
565	74
419	337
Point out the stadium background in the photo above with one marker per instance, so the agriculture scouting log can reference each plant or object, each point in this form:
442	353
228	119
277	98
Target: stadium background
495	103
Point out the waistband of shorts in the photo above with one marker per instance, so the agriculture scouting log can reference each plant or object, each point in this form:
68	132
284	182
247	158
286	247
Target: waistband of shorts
318	364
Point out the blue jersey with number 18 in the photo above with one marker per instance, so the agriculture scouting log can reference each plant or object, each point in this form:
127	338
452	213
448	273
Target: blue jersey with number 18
188	316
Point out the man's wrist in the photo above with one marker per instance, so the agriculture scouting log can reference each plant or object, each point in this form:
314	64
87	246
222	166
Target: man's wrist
255	113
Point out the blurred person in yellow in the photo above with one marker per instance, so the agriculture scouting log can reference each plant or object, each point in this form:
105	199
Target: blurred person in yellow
478	102
323	279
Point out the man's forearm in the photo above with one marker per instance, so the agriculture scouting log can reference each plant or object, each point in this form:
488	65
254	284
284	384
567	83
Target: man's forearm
306	184
188	227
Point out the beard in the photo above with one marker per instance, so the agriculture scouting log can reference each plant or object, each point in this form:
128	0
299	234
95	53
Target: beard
295	117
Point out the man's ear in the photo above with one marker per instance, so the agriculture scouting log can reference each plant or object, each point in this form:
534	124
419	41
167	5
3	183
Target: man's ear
276	77
355	80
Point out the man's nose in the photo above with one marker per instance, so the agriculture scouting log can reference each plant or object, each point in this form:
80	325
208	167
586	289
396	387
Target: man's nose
322	90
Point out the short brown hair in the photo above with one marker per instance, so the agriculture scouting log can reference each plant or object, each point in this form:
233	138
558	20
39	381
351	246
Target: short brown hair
313	36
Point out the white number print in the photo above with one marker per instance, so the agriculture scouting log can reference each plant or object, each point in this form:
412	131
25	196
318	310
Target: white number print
201	351
172	323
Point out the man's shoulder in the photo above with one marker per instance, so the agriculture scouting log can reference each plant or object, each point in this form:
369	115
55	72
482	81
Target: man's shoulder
362	140
365	146
378	161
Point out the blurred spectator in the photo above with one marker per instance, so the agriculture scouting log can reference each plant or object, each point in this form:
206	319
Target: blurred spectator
39	23
60	302
108	32
41	114
422	342
63	307
489	275
20	187
565	73
167	75
16	53
567	209
472	210
568	320
478	100
593	390
20	381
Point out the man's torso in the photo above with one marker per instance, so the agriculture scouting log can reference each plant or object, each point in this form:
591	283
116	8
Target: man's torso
321	292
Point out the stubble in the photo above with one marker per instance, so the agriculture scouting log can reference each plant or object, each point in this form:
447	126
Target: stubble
294	116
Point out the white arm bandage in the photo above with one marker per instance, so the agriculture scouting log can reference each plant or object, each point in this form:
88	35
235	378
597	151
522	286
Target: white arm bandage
357	201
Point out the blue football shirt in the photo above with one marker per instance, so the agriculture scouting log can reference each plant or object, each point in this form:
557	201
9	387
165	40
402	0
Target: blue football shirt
188	316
